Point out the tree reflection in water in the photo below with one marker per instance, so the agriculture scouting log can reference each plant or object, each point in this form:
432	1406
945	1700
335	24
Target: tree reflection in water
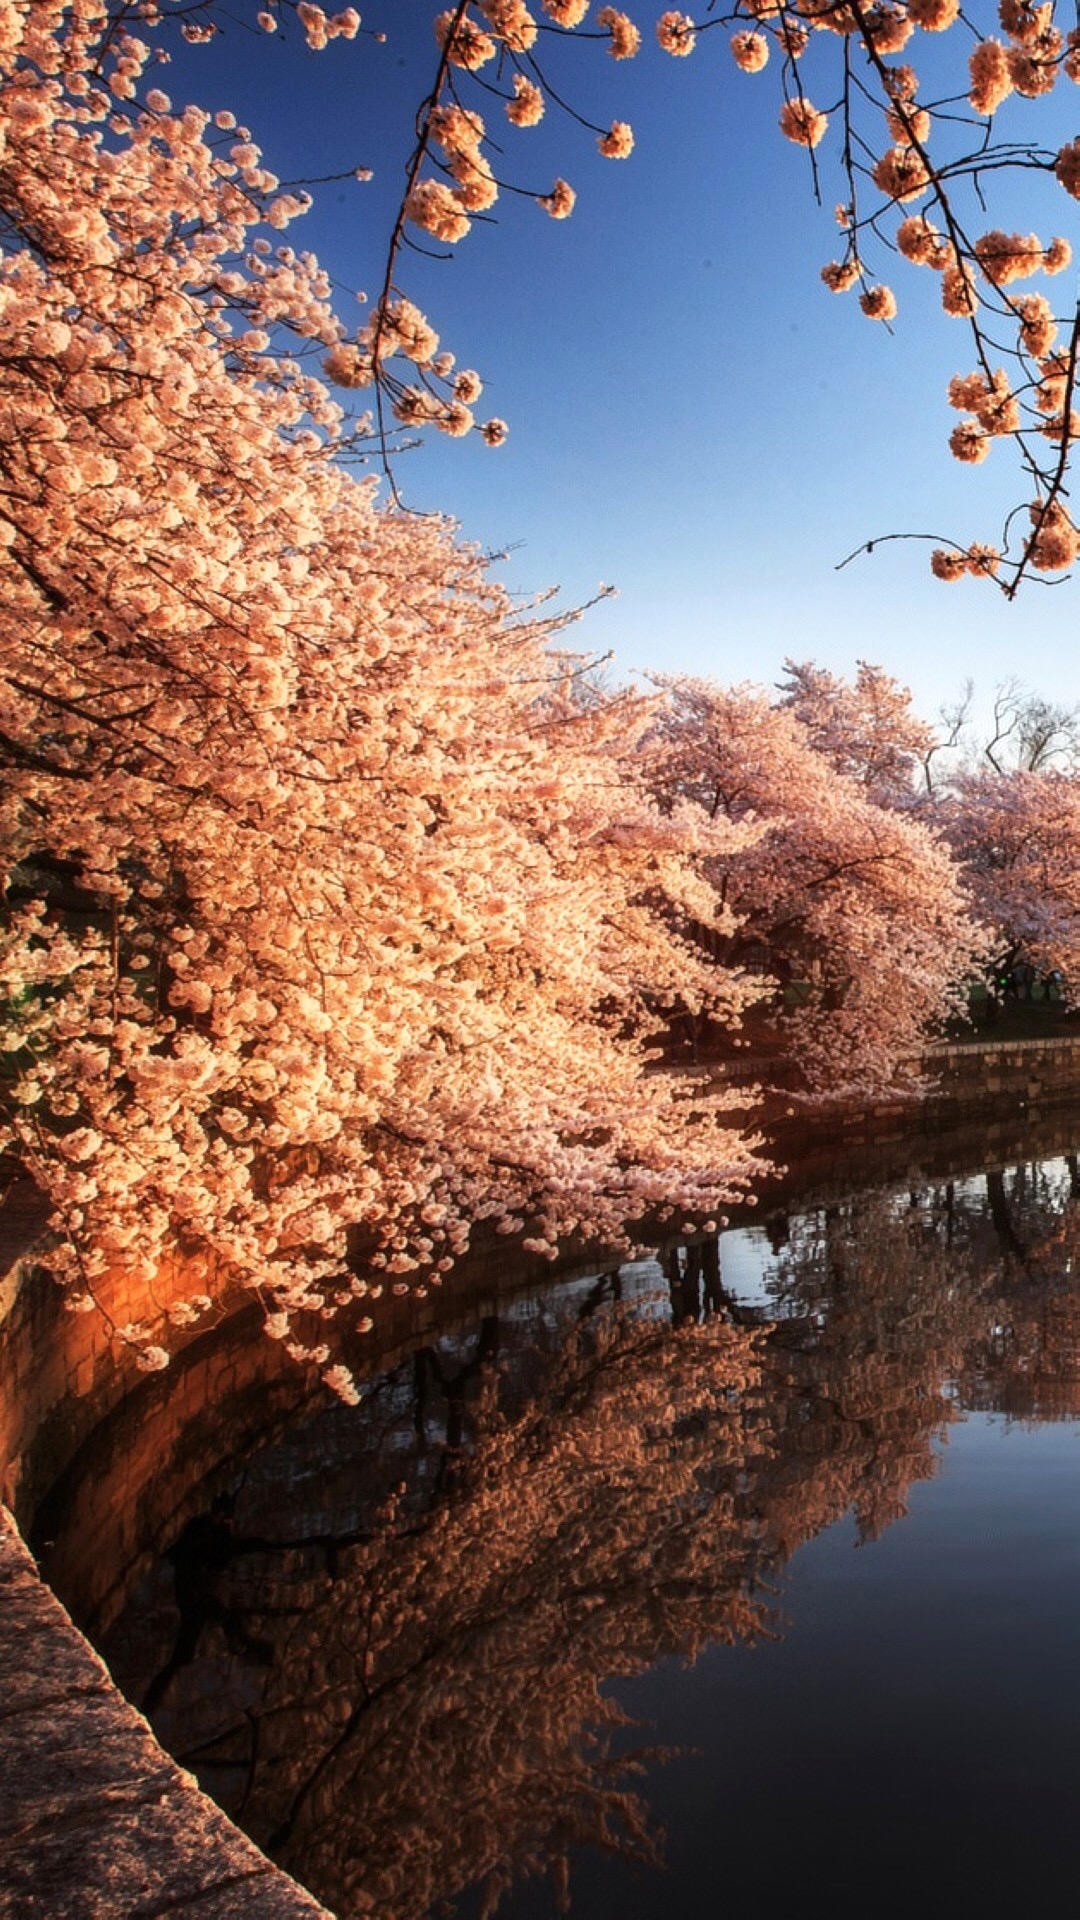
385	1647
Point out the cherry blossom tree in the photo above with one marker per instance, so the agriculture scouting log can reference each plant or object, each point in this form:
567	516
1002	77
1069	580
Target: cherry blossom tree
866	728
1016	837
329	905
857	902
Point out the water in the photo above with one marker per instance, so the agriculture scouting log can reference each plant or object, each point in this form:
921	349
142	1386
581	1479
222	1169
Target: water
911	1744
748	1578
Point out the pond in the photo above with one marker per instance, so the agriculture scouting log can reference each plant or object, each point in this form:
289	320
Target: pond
748	1576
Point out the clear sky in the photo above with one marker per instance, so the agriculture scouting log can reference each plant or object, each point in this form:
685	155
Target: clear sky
694	417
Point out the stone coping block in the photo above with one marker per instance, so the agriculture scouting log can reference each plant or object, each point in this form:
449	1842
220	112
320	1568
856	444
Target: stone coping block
96	1822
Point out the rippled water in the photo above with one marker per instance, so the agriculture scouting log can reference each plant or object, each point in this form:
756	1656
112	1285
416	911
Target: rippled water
745	1580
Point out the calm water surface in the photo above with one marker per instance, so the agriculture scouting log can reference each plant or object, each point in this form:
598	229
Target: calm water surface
747	1580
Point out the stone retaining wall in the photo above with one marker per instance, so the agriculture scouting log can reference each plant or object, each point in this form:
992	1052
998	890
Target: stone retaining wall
993	1081
1032	1072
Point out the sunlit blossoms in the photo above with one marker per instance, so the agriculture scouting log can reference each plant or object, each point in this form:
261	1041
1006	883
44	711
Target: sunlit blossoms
920	241
1008	256
343	948
526	109
901	173
1015	837
559	203
840	275
802	123
958	290
1067	168
947	565
618	142
466	45
566	13
991	81
982	560
878	303
675	32
438	210
625	39
512	21
1055	540
750	51
843	890
934	16
969	443
908	152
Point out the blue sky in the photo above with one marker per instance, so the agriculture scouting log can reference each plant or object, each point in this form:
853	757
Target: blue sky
694	417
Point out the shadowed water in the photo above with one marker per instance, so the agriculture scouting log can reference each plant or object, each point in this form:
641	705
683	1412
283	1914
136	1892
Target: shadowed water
748	1577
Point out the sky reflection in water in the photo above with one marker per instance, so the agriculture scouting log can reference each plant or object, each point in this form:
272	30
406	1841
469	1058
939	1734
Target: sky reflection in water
834	1563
